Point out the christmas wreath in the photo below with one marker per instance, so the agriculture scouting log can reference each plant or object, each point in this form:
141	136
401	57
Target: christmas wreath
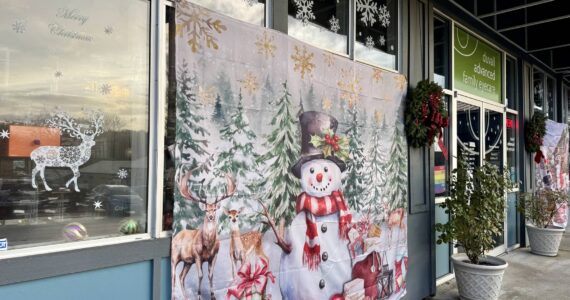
426	115
534	132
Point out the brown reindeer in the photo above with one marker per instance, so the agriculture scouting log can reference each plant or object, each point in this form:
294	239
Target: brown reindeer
200	245
242	244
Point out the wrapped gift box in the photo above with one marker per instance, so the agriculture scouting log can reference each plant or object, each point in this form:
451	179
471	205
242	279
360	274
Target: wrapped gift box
354	289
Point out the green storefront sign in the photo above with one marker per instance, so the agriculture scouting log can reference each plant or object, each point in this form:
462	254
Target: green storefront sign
477	66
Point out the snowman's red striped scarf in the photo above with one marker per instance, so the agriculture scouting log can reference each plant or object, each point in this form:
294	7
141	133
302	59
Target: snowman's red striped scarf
317	207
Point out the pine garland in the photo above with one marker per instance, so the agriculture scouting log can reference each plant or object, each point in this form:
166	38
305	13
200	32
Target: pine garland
425	115
534	132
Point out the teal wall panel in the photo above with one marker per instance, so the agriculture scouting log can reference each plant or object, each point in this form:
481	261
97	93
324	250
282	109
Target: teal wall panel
133	281
165	288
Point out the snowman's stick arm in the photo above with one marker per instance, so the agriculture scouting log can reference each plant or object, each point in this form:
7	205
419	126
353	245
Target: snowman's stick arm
286	247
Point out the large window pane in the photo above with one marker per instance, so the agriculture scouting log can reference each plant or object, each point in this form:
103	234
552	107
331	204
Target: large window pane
468	133
494	138
512	125
550	98
442	163
441	45
377	32
74	97
538	90
251	11
511	101
321	23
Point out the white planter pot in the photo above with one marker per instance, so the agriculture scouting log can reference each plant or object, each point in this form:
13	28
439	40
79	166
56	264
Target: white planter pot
544	241
478	282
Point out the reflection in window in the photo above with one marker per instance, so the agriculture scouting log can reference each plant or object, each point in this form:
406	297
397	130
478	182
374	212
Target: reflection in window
494	138
538	90
320	23
441	45
251	11
550	94
74	100
469	133
511	83
512	125
441	163
377	32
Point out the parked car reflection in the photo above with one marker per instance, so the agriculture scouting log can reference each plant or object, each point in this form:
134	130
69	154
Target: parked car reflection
116	200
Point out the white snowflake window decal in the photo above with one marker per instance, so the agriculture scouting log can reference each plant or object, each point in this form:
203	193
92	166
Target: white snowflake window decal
384	16
304	11
382	40
368	9
123	174
4	134
369	42
334	24
19	26
105	89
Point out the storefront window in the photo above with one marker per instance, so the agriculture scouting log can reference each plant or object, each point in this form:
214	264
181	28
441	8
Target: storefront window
441	45
512	125
377	32
550	96
74	121
510	90
494	137
468	133
321	23
441	162
251	11
538	90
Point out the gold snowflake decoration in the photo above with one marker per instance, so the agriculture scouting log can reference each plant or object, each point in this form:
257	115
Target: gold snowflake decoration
303	61
265	45
249	83
377	117
401	82
349	86
327	104
197	23
329	59
206	95
377	75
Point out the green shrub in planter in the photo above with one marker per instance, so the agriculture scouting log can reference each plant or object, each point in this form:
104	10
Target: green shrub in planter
540	207
476	206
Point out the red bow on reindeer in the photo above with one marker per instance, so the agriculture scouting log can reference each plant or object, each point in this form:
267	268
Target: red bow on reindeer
251	276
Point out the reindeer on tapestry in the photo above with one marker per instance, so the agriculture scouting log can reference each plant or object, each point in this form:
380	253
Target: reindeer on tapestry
67	156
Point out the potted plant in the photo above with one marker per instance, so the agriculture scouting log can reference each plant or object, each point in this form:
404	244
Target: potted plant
476	206
539	209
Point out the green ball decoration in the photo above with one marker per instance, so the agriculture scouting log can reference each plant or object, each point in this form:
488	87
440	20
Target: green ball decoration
129	226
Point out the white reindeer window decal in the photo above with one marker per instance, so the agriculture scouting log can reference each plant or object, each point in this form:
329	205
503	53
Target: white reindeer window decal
67	156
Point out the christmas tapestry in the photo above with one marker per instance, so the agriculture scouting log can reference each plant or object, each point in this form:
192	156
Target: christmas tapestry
291	168
552	171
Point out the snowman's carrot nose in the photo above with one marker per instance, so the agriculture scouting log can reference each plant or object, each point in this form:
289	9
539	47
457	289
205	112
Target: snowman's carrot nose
320	177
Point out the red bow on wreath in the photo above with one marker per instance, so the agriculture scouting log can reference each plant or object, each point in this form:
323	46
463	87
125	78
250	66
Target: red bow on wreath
251	276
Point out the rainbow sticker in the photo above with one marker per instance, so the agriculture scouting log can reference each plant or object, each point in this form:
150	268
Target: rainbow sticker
439	179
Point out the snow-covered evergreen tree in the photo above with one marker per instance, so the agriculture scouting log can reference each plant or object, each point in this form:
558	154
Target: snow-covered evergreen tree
353	181
237	157
397	167
218	115
280	185
225	91
374	177
191	145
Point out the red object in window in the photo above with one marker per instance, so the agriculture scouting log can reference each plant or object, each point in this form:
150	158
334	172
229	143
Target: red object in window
24	139
510	123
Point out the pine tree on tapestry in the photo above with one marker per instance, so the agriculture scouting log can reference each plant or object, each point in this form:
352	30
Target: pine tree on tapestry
267	103
397	167
238	158
218	115
191	143
281	187
227	98
375	175
353	182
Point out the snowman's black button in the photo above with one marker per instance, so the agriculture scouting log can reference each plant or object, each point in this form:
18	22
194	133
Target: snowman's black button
324	228
322	284
325	256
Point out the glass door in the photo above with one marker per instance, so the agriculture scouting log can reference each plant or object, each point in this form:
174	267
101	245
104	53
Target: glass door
481	139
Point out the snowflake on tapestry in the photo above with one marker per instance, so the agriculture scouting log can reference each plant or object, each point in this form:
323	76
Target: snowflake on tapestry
109	30
334	24
58	74
105	89
369	42
303	61
19	26
265	45
304	11
384	16
198	24
349	86
401	82
123	174
368	9
249	83
382	40
67	156
4	134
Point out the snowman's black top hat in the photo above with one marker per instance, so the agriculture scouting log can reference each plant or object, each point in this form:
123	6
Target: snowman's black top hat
313	123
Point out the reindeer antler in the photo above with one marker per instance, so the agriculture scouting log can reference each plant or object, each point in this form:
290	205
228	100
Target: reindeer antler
187	193
230	188
66	123
286	247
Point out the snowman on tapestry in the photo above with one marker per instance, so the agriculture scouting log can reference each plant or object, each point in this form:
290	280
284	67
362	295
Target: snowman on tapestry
328	258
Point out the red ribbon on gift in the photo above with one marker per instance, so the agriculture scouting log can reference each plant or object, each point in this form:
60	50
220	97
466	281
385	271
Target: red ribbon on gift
249	278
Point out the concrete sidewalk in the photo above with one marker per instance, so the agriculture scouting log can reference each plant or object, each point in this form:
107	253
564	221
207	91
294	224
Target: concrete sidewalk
528	276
